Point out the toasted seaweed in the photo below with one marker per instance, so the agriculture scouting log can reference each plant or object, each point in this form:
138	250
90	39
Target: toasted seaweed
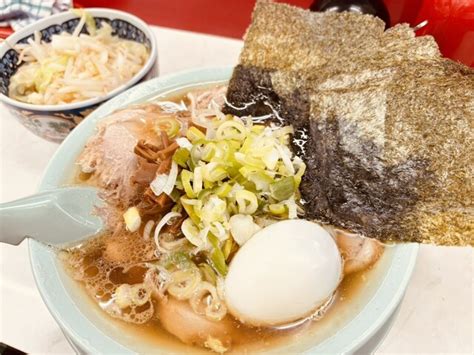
386	122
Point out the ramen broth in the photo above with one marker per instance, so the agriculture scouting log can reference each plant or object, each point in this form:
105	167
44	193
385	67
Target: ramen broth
351	294
120	257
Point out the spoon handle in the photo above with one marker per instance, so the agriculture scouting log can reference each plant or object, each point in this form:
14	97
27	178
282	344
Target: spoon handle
18	218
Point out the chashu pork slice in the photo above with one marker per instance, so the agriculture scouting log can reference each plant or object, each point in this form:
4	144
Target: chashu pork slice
109	156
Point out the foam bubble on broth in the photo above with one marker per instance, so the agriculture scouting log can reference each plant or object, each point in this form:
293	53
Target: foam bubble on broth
104	263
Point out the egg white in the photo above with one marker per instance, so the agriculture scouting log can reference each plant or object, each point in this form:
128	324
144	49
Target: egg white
283	273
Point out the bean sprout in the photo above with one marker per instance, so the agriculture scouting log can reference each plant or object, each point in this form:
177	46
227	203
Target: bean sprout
75	67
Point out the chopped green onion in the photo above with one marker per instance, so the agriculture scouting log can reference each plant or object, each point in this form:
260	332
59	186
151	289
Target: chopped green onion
248	142
231	130
299	174
186	177
208	273
292	208
208	184
224	151
249	160
194	134
223	190
204	194
242	228
227	248
213	172
208	151
213	240
218	261
181	157
247	201
217	227
197	182
175	195
178	184
178	207
239	169
270	159
176	259
196	151
283	189
261	180
190	211
234	144
192	232
277	209
213	210
283	131
171	126
258	129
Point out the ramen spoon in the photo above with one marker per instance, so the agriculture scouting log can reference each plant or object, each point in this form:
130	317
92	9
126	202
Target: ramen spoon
56	217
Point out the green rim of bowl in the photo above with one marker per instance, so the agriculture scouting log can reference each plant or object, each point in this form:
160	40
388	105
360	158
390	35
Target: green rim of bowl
89	338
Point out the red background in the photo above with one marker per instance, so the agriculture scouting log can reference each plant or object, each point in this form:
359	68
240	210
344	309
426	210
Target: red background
227	18
451	22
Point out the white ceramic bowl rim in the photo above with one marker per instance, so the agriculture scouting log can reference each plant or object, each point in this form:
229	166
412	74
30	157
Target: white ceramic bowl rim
92	340
65	16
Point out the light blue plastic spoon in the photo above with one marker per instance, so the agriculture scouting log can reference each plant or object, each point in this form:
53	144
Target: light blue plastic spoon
57	217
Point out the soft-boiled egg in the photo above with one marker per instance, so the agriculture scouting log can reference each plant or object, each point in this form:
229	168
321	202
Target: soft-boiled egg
284	273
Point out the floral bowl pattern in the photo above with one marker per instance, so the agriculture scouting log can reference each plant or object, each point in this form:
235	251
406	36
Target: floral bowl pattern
54	122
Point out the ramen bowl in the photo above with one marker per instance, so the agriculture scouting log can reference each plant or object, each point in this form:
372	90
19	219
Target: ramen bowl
91	331
54	122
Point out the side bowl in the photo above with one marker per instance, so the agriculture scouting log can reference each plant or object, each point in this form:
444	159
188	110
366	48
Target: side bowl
54	122
92	334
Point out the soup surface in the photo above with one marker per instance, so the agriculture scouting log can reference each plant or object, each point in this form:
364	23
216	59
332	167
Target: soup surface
161	282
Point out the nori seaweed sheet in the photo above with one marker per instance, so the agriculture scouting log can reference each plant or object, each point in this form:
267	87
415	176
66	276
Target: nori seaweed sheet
389	122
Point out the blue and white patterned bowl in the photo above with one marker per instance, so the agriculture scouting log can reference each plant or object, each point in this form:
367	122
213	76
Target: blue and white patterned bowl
54	122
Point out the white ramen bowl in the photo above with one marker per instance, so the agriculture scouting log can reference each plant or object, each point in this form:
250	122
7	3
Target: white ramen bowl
91	331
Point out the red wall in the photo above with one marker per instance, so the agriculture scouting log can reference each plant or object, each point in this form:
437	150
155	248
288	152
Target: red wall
451	22
221	17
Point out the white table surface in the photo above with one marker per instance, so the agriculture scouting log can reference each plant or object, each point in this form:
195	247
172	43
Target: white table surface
436	315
